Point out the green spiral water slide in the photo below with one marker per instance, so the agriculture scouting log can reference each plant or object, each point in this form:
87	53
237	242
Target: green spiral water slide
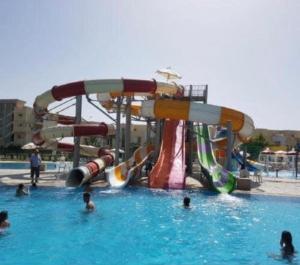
220	179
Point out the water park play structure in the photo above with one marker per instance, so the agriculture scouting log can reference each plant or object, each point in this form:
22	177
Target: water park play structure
152	102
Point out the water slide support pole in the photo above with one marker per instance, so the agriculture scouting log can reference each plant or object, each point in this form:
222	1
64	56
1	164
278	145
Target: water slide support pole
76	157
157	139
190	139
158	126
93	104
128	128
296	162
205	94
267	164
229	145
245	154
118	131
148	132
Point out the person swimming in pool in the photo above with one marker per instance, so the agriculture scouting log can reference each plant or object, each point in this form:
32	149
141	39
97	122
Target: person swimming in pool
90	206
21	190
4	223
186	202
287	249
286	243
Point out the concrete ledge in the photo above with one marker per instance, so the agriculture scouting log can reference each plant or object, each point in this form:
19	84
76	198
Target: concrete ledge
243	184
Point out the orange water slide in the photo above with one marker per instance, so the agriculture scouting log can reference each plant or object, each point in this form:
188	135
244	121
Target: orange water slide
169	170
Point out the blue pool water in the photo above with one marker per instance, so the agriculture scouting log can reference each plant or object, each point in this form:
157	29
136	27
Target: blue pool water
281	174
139	226
25	165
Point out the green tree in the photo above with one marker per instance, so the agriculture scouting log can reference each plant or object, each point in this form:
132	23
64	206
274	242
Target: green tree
92	140
255	146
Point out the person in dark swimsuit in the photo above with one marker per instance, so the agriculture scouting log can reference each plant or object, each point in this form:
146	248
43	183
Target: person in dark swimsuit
286	243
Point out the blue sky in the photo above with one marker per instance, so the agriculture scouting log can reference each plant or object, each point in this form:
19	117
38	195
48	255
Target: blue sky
246	51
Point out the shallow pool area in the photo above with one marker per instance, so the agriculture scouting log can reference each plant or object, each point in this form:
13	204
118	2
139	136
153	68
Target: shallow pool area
282	174
285	174
141	226
49	166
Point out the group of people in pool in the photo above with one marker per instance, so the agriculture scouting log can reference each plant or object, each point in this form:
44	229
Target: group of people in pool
286	241
21	191
4	223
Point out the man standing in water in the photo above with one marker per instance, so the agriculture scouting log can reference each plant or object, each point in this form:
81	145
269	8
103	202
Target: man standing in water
35	163
89	205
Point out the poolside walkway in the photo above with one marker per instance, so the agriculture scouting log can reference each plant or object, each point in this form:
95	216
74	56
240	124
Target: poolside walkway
276	186
269	186
13	177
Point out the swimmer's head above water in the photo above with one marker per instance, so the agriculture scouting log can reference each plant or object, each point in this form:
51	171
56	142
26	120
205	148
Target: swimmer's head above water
186	202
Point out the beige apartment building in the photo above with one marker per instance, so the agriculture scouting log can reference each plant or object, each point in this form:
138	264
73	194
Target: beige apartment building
15	122
283	139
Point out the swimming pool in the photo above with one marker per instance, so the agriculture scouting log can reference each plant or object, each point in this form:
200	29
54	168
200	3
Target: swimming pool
140	226
25	165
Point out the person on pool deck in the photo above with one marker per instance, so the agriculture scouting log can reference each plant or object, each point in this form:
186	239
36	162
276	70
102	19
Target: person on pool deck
286	243
186	202
90	206
35	163
4	223
244	173
21	190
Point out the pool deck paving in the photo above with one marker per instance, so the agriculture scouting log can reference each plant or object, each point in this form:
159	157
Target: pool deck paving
268	186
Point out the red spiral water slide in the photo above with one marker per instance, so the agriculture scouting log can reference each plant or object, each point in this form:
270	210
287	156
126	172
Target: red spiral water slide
43	136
